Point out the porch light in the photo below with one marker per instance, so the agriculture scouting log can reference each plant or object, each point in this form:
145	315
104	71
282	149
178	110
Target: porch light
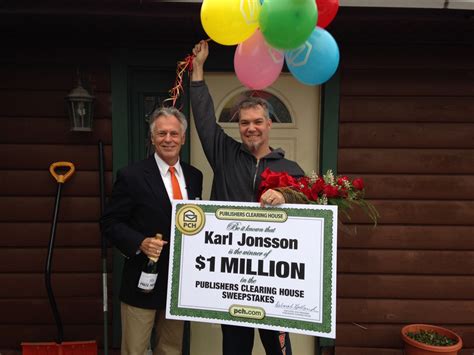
80	108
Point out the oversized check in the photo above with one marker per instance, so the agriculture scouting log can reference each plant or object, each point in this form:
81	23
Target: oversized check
240	264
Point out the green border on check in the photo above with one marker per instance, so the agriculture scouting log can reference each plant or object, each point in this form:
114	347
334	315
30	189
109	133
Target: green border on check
327	301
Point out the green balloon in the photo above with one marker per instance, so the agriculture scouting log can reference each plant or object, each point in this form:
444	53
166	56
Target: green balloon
287	24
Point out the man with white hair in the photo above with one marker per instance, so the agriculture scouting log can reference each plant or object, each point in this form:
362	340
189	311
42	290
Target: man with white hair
139	209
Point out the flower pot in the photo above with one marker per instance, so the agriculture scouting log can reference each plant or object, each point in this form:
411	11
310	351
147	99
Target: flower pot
413	347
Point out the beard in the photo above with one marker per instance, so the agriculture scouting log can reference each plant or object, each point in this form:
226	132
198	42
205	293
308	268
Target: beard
253	146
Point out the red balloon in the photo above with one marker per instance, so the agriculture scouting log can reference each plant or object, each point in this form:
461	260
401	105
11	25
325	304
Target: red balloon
327	10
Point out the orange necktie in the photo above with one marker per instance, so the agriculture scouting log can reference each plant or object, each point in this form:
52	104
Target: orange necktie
175	185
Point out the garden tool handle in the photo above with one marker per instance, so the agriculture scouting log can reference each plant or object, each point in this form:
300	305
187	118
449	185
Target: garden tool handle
62	178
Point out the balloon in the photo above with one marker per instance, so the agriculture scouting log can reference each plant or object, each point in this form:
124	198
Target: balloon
287	24
315	61
230	22
327	10
256	64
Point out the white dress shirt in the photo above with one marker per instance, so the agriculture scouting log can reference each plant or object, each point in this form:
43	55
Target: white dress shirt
166	176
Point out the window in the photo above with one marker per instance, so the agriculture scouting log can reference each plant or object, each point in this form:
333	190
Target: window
279	113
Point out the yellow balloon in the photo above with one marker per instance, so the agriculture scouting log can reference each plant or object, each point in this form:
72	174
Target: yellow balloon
230	22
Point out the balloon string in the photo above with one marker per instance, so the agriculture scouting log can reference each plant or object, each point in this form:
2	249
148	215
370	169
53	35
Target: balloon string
177	89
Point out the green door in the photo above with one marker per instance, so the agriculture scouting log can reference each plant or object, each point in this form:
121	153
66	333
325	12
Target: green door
136	91
149	88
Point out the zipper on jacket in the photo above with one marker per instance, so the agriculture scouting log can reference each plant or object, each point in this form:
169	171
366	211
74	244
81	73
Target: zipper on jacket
254	198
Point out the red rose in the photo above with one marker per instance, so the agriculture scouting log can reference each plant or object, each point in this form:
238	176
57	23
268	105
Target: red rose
286	180
272	179
307	193
330	191
317	187
265	173
358	184
304	186
340	181
264	184
303	182
342	192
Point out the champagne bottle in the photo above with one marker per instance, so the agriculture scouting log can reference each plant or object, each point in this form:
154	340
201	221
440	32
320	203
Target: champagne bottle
149	274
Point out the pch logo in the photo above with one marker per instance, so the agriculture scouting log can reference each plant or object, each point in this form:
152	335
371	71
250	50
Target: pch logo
249	10
190	219
276	55
299	56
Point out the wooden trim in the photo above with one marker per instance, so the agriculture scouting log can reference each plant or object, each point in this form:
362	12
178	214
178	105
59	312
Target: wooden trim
330	123
121	156
329	147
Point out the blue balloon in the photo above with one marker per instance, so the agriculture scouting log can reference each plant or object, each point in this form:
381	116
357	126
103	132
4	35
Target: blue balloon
316	61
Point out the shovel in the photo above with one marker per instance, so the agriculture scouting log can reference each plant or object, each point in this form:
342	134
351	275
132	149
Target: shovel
61	179
88	347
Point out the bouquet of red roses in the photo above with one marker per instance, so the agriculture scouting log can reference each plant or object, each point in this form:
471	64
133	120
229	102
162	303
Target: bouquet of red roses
322	190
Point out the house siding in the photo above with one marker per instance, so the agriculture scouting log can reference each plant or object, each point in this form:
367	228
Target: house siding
407	127
35	133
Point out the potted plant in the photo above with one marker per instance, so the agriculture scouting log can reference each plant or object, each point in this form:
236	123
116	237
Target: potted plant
424	339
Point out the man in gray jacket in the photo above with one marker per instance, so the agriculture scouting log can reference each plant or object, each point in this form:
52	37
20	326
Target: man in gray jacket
237	168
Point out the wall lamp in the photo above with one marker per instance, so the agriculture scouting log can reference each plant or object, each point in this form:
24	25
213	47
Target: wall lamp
80	108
